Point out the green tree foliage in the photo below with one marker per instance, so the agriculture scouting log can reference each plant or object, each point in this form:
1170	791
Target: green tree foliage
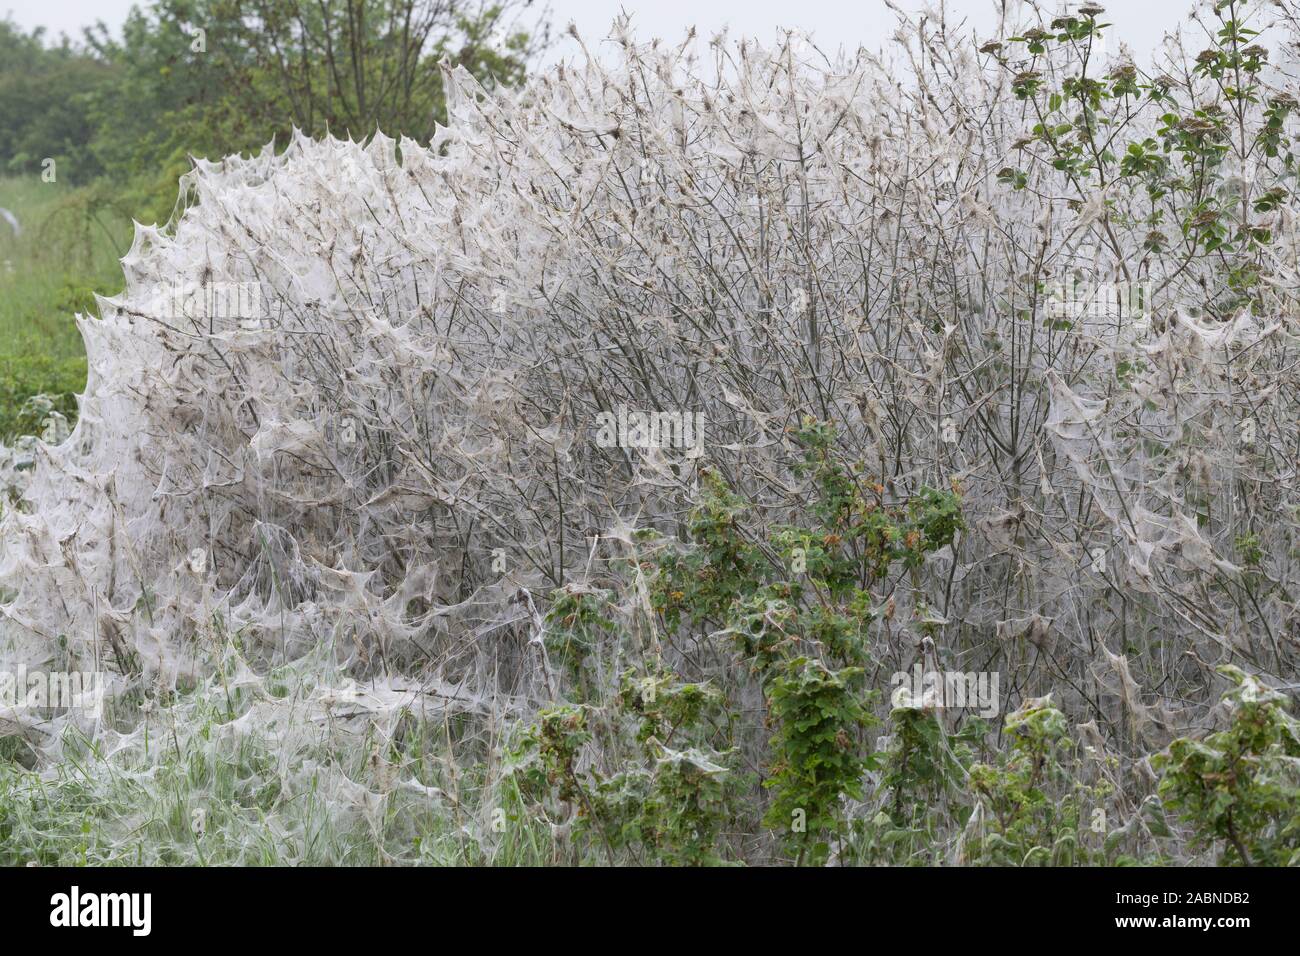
211	77
47	103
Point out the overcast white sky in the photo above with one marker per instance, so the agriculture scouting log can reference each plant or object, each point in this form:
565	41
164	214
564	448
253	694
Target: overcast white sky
1139	23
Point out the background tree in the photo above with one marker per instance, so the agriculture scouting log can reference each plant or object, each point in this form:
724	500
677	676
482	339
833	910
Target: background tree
212	77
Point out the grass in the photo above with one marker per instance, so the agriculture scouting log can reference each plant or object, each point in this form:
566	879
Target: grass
68	250
263	773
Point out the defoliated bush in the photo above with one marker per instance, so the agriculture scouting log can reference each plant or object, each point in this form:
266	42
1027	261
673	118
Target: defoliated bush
994	366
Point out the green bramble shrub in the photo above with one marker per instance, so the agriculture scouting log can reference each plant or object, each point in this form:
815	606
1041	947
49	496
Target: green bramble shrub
1239	788
785	618
1033	810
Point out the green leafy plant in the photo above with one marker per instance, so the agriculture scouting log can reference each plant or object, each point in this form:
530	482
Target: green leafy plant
1188	165
662	803
23	377
575	620
1032	809
1240	787
800	621
817	754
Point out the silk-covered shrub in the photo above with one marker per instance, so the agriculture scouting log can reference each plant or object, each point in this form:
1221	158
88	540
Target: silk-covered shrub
1056	284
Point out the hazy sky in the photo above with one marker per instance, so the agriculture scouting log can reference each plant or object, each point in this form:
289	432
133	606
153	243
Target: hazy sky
1139	23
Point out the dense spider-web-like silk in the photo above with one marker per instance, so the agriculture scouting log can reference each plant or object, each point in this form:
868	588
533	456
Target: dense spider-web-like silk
395	462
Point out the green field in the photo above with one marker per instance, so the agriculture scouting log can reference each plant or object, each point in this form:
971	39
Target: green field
68	250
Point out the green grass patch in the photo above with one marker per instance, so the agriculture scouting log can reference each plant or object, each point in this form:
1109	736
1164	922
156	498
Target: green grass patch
67	251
